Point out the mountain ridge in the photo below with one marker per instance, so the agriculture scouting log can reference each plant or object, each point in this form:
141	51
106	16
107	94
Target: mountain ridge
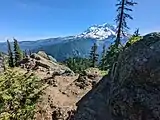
79	45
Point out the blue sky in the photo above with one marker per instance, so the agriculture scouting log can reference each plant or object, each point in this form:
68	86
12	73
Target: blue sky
35	19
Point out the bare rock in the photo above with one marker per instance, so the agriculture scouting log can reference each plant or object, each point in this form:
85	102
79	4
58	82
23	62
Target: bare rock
92	72
43	54
52	59
136	81
39	62
131	90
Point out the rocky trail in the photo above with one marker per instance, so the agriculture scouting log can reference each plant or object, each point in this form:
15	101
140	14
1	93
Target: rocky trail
64	87
60	98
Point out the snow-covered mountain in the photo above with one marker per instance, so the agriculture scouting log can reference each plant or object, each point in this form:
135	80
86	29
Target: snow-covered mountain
78	45
99	32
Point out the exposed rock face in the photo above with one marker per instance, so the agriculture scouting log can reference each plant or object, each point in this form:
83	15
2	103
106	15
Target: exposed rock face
37	62
93	106
85	80
43	54
48	57
131	91
136	87
92	72
52	59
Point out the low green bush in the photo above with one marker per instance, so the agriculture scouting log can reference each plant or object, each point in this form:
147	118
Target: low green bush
19	93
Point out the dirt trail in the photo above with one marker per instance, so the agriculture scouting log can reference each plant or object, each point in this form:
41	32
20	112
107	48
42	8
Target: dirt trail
61	98
64	88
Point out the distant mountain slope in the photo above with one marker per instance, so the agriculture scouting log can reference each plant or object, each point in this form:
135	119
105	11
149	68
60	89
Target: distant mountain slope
79	45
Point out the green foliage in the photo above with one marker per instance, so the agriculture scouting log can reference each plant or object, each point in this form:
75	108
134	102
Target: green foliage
77	64
10	55
132	40
29	52
136	33
18	54
111	56
113	52
103	59
18	95
24	54
94	56
104	72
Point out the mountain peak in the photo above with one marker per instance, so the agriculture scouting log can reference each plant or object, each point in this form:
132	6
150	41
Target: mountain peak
99	32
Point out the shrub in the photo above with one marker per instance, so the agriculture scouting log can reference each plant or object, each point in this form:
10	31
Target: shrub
19	94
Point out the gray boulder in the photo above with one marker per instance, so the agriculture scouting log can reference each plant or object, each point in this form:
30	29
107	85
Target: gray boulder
136	81
52	59
37	62
43	54
132	90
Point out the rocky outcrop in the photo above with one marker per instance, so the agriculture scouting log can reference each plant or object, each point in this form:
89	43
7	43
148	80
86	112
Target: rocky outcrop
43	54
39	63
131	91
93	106
92	72
88	79
136	80
52	59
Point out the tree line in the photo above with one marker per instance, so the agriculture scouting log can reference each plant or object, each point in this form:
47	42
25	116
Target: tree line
103	61
15	55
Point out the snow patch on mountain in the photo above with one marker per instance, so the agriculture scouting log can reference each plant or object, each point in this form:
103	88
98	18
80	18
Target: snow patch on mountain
99	32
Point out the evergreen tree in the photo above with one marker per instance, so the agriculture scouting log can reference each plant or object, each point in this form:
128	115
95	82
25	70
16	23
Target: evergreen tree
111	56
134	38
103	58
10	54
136	33
17	53
94	55
24	54
122	27
29	52
19	95
123	8
77	64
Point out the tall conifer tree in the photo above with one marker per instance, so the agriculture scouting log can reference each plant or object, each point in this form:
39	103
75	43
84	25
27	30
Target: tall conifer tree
124	6
103	58
10	55
93	55
136	33
18	55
